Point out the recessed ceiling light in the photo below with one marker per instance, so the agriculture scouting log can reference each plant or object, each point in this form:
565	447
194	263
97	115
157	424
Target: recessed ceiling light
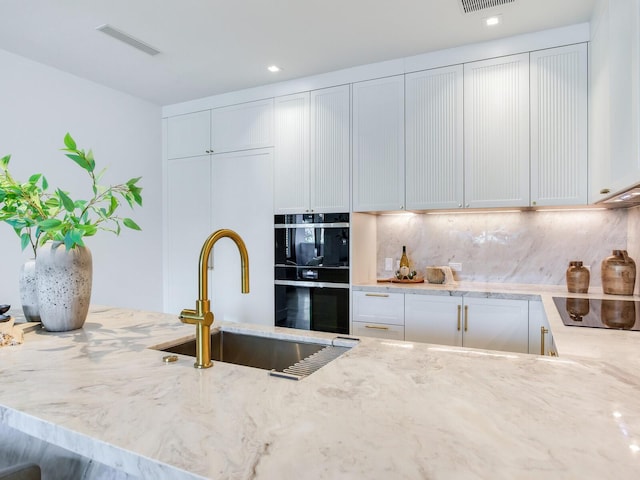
273	68
493	21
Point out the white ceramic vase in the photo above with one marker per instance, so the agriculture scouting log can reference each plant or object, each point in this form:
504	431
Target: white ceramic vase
29	291
64	281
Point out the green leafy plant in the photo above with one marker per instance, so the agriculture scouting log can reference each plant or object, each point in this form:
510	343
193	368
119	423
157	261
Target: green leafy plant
38	215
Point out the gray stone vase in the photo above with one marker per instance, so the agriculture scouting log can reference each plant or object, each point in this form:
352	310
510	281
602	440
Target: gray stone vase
29	291
64	286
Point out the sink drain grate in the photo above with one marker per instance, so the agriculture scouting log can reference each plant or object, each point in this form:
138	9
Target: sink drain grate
312	363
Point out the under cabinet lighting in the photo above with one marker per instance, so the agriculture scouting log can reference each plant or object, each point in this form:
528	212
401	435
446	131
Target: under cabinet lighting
273	68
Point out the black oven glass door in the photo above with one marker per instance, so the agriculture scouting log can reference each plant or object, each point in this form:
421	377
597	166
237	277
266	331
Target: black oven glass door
317	308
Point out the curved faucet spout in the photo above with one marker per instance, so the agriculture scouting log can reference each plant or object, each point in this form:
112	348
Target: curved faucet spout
202	317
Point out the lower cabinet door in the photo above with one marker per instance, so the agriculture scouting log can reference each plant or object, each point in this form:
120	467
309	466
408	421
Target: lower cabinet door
496	324
378	330
433	319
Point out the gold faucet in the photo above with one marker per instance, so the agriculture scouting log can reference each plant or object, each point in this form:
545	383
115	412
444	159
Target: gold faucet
202	317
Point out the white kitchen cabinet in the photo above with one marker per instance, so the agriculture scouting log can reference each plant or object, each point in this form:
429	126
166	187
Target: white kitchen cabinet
187	207
312	151
242	127
291	167
496	124
488	323
227	129
189	135
378	144
330	150
434	139
377	314
615	97
559	126
540	337
242	200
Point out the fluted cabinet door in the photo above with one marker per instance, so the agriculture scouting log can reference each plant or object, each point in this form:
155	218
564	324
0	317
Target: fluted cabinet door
434	139
291	156
189	135
496	122
378	144
330	147
559	126
242	127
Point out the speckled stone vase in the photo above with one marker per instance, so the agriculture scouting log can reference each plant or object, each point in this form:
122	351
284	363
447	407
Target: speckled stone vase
29	291
64	286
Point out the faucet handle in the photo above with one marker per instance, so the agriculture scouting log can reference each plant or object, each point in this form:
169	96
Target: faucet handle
193	317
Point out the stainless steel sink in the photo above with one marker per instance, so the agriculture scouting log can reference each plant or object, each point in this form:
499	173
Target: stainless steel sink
282	357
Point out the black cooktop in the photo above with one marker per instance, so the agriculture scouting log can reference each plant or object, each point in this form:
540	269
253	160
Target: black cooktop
609	313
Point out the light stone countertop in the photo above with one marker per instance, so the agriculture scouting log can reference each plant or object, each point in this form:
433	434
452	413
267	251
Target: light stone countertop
385	409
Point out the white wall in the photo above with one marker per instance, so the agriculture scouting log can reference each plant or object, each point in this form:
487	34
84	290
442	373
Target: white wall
38	105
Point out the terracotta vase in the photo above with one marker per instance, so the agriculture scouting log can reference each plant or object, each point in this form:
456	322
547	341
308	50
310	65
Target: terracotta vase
618	274
64	280
577	277
29	291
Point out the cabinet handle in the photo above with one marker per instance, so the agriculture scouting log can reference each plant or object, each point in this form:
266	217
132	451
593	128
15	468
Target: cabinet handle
543	331
384	295
459	309
376	327
466	317
604	191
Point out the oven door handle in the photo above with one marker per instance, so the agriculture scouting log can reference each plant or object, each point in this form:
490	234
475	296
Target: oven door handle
293	283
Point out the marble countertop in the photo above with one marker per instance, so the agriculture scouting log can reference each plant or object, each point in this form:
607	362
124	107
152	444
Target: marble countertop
385	409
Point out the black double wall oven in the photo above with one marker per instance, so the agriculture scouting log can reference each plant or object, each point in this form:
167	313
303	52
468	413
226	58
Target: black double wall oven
312	271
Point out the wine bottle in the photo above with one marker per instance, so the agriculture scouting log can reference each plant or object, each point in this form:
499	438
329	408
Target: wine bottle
404	263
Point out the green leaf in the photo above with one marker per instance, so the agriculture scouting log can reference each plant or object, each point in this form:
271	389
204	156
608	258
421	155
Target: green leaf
67	203
49	224
69	142
25	240
45	184
90	161
112	206
4	162
34	178
80	160
131	224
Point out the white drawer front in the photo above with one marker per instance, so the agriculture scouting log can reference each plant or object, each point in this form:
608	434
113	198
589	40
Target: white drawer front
374	307
378	330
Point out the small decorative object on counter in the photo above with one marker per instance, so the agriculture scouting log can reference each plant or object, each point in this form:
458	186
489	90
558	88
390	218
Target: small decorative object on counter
618	274
577	277
405	271
435	275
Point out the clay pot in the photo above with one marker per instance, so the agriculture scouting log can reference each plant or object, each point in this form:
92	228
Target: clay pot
618	274
577	308
577	277
435	275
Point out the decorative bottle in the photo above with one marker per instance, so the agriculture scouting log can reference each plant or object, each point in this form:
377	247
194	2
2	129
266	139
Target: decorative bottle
618	274
577	277
404	263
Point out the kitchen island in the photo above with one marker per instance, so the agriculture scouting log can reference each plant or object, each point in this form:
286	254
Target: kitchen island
384	409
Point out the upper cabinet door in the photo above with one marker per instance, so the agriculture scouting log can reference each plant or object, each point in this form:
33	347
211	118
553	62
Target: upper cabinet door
496	121
291	161
434	139
242	127
559	126
189	135
378	144
330	148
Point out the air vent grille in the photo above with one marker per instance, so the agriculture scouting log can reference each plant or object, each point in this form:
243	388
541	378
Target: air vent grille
470	6
128	39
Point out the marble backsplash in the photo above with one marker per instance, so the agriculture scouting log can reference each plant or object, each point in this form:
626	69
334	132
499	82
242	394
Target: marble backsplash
515	247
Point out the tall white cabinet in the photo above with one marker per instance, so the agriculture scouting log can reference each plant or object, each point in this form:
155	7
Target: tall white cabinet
559	126
205	191
378	144
434	139
496	122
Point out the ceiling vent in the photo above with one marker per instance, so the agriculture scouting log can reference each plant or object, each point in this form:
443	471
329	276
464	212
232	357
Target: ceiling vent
471	6
128	39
